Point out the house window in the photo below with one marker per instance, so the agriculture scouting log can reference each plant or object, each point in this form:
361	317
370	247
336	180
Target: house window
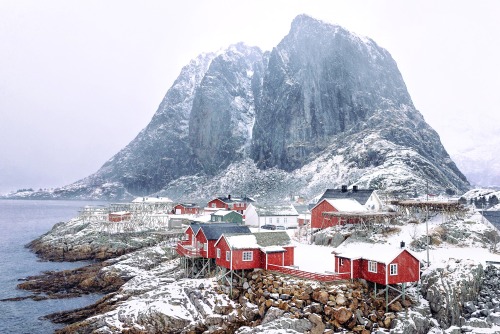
393	269
218	253
341	262
213	205
228	256
372	266
205	247
247	256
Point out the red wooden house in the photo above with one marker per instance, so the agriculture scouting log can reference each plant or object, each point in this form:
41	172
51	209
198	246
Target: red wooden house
238	204
256	250
335	205
119	216
186	209
379	264
199	238
208	234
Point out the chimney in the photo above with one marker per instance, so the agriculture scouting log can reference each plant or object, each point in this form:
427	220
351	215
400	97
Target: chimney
402	244
344	188
355	189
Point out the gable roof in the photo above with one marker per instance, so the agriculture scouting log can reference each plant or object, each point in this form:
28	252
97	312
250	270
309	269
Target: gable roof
360	195
493	217
223	213
282	210
271	241
346	204
214	231
231	199
188	205
376	252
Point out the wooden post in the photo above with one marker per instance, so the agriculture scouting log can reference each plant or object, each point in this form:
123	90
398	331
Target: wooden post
375	292
386	299
404	286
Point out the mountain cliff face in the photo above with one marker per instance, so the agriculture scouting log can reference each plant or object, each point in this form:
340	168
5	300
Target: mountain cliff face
325	107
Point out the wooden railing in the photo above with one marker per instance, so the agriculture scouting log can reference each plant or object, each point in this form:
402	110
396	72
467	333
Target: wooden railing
308	275
185	249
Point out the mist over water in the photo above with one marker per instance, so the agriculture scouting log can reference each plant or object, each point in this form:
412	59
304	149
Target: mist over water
21	222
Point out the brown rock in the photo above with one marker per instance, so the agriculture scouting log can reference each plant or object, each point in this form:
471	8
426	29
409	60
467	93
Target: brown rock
342	315
318	325
396	307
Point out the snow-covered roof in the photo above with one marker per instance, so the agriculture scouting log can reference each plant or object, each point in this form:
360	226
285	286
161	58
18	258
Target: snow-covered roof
267	241
223	212
282	210
346	204
120	213
360	195
376	252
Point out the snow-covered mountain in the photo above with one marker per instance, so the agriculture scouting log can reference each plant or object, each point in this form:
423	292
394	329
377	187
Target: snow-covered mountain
325	107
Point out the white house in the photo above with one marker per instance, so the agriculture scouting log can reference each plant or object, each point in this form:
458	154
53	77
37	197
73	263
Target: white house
284	215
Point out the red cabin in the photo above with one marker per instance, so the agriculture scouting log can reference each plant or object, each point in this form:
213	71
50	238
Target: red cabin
256	250
229	203
333	205
119	216
186	209
379	264
208	234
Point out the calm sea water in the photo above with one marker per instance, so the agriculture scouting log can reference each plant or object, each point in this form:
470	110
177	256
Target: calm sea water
21	222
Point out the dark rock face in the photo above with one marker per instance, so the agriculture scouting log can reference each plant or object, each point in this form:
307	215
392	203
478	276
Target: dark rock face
321	81
323	103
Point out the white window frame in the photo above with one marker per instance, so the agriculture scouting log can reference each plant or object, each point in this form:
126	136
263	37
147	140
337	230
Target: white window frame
393	269
341	262
218	253
228	256
247	256
213	205
205	246
372	267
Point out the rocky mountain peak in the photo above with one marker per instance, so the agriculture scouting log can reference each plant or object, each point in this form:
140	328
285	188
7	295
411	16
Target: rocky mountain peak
324	107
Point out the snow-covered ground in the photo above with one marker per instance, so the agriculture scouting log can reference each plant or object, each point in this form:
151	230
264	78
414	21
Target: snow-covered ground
319	259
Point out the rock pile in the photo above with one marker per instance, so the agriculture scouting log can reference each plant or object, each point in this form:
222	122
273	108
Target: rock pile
330	307
485	311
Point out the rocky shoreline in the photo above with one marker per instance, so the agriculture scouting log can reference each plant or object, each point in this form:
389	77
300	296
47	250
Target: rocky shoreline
146	292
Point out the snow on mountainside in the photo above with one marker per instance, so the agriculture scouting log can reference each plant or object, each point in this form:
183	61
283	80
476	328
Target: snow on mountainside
325	107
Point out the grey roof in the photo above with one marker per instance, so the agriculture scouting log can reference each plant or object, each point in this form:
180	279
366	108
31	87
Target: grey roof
493	217
361	195
266	239
214	231
244	199
302	208
189	205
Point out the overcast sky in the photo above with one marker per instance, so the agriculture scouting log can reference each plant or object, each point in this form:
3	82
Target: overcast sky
80	79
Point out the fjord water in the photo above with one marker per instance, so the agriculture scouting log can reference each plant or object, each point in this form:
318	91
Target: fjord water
20	222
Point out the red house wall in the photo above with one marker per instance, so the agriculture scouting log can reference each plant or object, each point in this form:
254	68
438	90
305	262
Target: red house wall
183	210
317	217
289	256
238	262
189	234
201	239
277	258
222	245
344	267
118	217
408	269
378	277
218	204
237	255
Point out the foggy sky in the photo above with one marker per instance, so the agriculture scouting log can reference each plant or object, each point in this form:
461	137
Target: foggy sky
80	79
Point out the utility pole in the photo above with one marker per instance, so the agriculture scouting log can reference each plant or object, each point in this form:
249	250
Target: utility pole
427	221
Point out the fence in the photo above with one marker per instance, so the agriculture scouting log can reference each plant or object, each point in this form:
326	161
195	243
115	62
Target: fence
185	250
308	275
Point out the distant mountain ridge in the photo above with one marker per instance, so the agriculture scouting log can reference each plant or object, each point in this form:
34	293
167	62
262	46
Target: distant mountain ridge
325	107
